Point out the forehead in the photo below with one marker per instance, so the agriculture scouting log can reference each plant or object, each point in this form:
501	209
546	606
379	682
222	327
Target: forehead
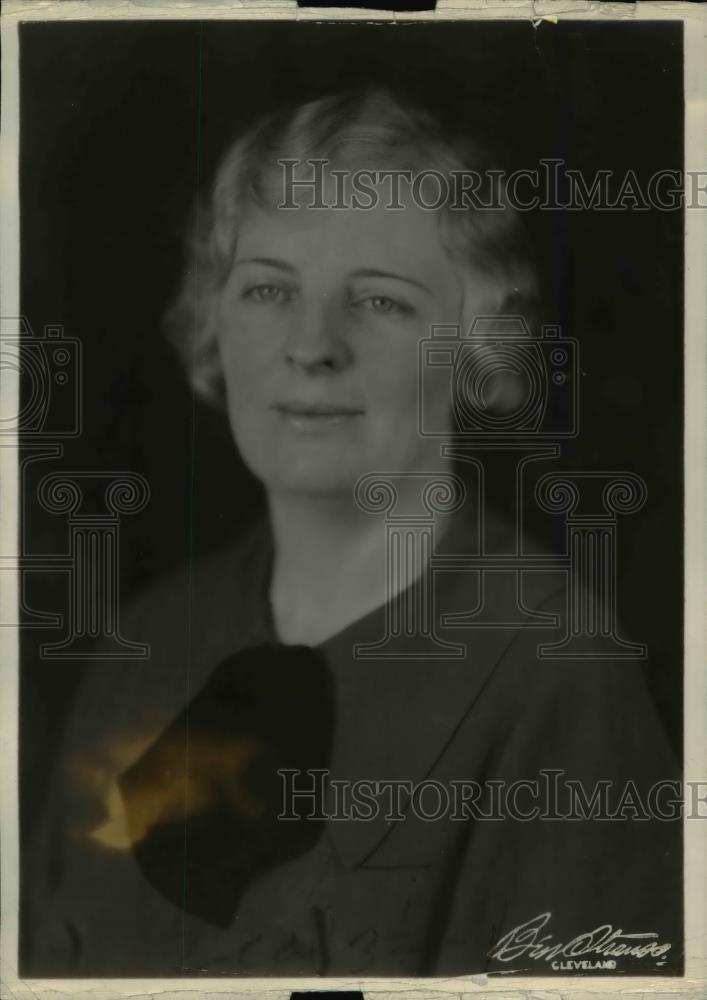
407	239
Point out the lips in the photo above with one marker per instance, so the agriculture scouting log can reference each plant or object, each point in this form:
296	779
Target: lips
302	408
309	417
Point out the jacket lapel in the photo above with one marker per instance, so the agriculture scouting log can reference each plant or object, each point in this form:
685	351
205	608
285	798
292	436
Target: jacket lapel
398	719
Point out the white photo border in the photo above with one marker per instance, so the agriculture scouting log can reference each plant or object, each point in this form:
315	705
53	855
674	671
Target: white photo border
694	982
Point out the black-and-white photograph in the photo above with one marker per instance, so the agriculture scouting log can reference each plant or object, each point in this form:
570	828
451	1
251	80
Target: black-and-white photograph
351	498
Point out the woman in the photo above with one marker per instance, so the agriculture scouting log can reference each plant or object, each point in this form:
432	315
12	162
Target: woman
188	834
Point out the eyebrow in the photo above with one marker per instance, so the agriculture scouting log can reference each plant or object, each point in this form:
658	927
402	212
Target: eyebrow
371	272
368	272
271	261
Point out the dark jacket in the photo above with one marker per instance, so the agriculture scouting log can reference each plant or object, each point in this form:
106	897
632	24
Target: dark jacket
453	895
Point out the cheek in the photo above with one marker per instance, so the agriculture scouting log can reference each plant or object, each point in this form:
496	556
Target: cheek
438	390
396	378
247	361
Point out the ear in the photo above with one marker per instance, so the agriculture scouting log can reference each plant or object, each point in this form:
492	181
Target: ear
492	295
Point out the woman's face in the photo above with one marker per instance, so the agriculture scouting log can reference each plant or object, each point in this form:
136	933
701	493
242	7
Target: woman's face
319	325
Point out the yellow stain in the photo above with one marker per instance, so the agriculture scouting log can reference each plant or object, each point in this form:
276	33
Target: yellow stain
179	783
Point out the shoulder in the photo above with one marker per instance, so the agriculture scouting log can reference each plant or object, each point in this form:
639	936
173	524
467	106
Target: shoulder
565	684
204	586
592	716
188	622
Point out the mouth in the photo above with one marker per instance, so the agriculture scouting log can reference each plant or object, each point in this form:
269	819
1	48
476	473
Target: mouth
316	416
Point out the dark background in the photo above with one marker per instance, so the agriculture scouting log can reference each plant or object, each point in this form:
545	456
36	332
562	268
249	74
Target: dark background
122	123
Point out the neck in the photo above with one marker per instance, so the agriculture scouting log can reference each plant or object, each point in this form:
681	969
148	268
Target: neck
330	564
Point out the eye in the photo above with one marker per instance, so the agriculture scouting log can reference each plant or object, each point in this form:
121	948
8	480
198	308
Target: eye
265	293
385	305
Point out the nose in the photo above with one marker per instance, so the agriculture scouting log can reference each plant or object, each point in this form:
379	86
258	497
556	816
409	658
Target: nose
316	341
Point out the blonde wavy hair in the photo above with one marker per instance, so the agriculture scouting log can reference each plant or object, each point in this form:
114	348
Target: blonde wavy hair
368	125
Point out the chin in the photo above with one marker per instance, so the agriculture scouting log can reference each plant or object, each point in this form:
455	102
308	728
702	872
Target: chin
316	488
313	480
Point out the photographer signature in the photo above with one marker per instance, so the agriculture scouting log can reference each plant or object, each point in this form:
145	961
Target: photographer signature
603	942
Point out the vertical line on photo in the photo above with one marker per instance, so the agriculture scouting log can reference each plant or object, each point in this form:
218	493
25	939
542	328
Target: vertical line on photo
192	477
322	943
